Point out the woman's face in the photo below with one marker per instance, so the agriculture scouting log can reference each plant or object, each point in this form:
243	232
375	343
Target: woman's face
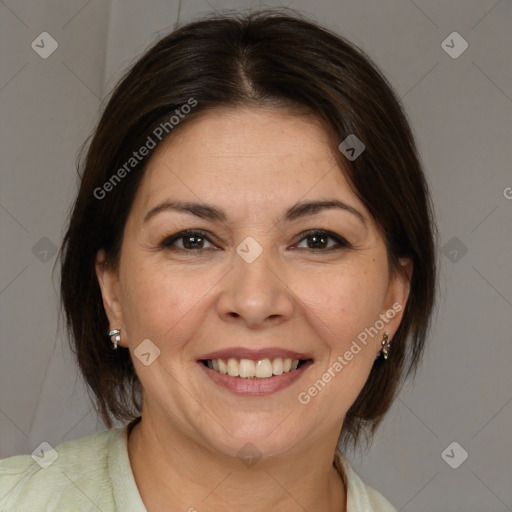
261	289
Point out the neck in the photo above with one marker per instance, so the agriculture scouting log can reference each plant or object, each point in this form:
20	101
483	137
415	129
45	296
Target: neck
170	468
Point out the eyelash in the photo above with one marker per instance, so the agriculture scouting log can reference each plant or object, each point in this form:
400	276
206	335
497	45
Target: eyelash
169	241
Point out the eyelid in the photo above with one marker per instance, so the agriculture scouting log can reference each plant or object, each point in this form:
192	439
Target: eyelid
341	241
169	240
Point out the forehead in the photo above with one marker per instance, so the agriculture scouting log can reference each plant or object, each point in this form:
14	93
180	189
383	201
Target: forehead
244	156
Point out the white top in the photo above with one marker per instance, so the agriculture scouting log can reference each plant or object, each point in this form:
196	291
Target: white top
94	473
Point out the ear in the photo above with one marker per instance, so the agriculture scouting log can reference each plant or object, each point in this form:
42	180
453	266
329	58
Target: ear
108	280
396	298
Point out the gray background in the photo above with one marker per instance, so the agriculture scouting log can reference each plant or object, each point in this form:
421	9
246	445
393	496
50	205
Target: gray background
461	113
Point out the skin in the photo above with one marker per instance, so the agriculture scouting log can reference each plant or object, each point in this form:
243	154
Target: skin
253	164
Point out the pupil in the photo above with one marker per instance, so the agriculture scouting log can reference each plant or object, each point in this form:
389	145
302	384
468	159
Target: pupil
317	238
195	239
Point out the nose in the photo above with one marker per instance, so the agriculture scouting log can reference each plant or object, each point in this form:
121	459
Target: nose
256	293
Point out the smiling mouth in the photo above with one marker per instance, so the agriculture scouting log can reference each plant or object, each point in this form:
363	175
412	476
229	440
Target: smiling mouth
254	369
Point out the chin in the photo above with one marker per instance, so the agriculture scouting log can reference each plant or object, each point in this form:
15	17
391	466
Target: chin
250	438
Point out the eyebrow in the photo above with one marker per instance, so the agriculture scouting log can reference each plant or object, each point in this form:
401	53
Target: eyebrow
212	213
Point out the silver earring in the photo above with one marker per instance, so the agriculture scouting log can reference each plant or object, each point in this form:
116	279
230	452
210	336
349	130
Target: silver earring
117	338
386	345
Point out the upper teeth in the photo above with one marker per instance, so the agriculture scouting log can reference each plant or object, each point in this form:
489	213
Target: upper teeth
247	368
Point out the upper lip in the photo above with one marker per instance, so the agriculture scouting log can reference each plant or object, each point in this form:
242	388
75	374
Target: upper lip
256	355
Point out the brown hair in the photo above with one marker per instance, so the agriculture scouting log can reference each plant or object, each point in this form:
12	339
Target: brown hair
264	58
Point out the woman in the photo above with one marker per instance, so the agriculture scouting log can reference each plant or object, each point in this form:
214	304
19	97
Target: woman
248	276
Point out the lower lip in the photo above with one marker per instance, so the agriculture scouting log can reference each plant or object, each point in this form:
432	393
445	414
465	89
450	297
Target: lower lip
256	387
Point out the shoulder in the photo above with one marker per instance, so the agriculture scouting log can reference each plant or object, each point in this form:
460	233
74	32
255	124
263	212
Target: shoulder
72	476
360	497
377	501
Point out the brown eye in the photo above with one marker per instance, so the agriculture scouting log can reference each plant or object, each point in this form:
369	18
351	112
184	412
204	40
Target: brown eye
319	240
192	241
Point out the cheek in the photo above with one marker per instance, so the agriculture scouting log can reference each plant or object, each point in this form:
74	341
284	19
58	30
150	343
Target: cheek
352	305
352	350
352	302
159	298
